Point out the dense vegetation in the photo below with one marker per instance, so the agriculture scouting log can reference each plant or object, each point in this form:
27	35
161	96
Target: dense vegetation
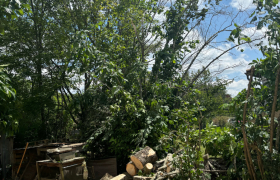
86	65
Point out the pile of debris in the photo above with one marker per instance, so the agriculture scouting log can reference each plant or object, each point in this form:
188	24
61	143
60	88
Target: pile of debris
147	162
151	168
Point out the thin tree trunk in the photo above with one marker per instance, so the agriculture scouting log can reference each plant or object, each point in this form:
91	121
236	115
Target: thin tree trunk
277	135
72	116
58	116
247	153
273	110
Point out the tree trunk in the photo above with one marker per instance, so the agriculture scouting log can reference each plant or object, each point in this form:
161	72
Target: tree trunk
131	169
141	158
273	110
247	153
277	135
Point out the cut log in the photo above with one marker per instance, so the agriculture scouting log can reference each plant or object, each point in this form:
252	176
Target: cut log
141	178
127	176
119	177
148	168
131	169
123	176
141	158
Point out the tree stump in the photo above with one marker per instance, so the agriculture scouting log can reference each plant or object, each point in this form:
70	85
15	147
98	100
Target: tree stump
141	158
131	169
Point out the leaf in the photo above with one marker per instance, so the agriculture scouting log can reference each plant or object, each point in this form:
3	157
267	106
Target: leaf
253	14
254	19
246	39
260	25
20	12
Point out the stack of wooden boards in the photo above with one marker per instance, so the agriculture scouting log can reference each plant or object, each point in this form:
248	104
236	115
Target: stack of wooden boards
147	161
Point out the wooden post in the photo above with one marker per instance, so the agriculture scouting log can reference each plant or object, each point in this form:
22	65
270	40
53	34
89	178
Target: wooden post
22	159
38	171
61	172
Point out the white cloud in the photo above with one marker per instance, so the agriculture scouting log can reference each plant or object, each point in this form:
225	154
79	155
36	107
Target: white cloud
236	86
255	33
242	4
161	17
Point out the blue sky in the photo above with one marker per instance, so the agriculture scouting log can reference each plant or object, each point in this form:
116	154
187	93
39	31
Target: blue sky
249	54
236	58
233	65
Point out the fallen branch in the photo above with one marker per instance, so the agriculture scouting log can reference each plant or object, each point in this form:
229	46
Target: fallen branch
213	168
214	171
171	174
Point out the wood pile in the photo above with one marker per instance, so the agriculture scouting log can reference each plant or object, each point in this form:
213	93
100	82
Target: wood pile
151	168
147	162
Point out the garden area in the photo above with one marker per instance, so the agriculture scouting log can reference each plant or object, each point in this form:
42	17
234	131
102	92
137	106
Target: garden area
143	84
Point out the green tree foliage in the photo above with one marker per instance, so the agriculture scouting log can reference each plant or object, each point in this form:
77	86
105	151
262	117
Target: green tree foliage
8	124
79	64
212	94
262	102
8	11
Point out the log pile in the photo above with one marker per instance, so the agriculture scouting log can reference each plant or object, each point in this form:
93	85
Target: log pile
147	162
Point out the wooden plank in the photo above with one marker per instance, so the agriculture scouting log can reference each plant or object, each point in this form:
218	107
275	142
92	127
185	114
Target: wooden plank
63	156
73	145
59	150
48	163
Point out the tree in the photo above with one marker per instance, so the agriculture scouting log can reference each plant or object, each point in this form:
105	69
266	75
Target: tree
212	94
8	124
